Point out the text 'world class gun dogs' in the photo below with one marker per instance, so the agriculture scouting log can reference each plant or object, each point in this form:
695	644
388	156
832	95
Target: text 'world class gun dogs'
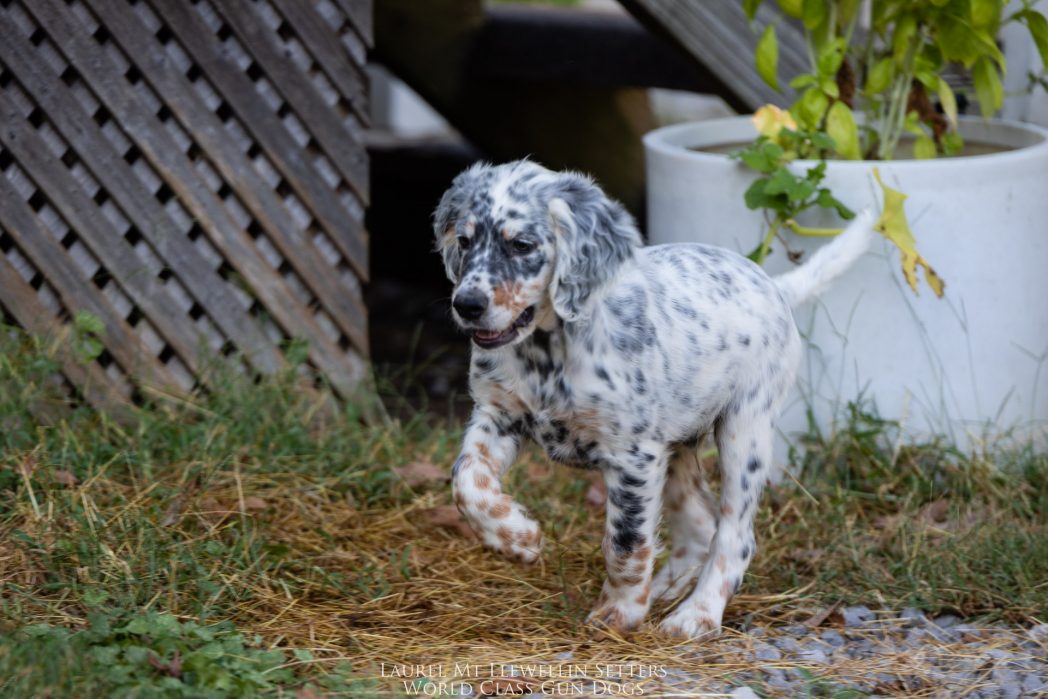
621	357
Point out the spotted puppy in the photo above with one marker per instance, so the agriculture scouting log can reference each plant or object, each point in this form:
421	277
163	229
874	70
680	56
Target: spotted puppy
621	357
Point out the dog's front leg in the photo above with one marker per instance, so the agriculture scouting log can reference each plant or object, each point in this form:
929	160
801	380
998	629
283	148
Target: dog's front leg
488	450
634	502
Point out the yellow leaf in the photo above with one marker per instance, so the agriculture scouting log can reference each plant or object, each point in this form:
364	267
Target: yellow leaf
769	120
894	226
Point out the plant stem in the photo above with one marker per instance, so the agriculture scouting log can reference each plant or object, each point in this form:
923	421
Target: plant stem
773	228
893	125
811	232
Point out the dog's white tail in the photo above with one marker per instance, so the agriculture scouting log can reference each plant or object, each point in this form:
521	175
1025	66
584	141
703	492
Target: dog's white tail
828	262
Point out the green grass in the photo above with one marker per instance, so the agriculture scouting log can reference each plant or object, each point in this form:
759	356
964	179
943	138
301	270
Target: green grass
213	533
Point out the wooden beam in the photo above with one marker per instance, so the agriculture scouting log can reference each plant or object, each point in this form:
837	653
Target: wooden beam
525	42
720	38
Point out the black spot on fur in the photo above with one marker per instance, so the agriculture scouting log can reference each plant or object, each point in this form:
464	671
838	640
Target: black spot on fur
754	465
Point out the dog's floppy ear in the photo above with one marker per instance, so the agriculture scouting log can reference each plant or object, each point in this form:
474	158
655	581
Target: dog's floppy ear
446	217
594	236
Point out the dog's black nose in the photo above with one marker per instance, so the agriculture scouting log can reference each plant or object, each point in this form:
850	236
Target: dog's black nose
470	305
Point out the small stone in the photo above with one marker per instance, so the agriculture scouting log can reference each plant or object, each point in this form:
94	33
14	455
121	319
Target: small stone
744	693
1039	632
767	652
947	621
796	630
814	655
566	655
912	614
857	616
1035	683
833	638
789	645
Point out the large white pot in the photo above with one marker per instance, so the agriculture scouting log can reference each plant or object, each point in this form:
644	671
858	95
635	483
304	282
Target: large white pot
973	365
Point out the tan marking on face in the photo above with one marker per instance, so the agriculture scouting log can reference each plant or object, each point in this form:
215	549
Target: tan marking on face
642	553
632	579
507	295
727	510
722	563
482	481
483	450
643	598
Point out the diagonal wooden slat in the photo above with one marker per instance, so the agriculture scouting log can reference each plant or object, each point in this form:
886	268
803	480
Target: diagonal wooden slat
329	53
142	209
271	134
345	308
163	152
32	315
359	14
334	138
75	292
119	260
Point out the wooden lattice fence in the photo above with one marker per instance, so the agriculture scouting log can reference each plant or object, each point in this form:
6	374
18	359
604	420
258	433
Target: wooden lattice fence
192	173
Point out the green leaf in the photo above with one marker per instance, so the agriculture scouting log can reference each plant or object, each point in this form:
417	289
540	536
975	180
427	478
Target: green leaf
800	189
1038	26
924	148
750	8
880	76
986	13
829	88
814	13
767	57
87	322
952	143
988	88
905	29
804	80
949	102
792	8
840	125
958	41
756	198
831	57
827	201
810	108
779	182
822	141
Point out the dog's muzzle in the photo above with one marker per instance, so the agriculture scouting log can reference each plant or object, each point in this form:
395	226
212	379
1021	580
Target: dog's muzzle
490	339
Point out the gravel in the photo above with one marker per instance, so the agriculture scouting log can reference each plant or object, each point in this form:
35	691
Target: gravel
877	654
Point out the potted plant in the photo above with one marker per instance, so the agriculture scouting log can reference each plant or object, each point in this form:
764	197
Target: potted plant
876	118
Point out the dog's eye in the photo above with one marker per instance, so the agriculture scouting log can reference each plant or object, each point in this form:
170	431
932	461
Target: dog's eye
522	247
464	242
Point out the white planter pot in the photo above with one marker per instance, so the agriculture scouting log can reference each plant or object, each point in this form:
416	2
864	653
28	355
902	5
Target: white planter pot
973	365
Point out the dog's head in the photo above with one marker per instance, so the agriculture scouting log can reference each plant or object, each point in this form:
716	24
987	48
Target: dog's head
521	242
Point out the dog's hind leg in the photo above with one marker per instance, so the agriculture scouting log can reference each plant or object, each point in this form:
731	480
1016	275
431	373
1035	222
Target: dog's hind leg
744	440
691	517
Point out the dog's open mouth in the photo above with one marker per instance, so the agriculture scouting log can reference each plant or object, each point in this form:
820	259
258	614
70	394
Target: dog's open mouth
490	339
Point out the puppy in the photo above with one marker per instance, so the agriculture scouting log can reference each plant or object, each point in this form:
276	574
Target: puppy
621	357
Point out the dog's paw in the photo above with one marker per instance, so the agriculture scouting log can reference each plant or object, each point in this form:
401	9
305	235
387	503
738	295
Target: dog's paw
672	582
616	618
688	623
519	539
